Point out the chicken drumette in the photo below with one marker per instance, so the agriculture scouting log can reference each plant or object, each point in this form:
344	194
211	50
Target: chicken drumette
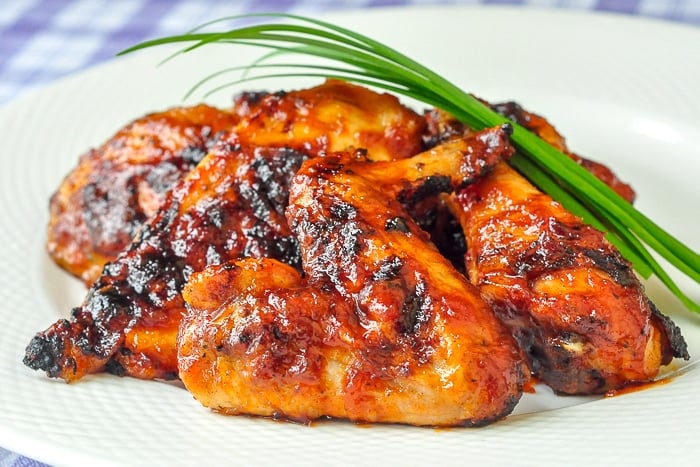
381	327
571	300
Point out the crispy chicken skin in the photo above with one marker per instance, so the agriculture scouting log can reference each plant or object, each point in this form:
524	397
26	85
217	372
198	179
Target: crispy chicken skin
116	187
228	207
570	299
381	327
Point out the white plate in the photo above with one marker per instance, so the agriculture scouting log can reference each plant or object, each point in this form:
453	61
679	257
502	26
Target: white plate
623	90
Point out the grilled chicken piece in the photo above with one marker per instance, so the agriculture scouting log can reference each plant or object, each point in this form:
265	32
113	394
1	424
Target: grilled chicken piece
115	188
231	205
570	299
228	207
381	328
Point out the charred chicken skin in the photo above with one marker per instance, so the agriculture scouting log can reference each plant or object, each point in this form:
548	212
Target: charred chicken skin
115	188
567	295
381	327
229	206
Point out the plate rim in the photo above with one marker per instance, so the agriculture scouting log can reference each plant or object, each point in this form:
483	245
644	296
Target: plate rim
24	446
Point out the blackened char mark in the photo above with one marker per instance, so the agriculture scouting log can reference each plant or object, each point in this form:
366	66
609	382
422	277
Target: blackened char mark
439	128
389	269
559	247
513	111
45	352
398	224
429	186
246	101
273	172
333	237
544	255
265	192
193	154
112	216
614	265
413	311
677	345
343	211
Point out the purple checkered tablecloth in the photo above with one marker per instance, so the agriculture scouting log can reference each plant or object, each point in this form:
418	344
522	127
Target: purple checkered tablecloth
43	40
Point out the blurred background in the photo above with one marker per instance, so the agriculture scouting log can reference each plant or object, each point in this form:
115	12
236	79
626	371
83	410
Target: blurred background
43	40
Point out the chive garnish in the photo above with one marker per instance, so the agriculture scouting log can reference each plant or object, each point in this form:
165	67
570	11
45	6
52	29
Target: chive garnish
362	60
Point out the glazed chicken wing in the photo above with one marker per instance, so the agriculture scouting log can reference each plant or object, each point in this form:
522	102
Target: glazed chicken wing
231	205
570	299
573	303
228	207
381	327
117	187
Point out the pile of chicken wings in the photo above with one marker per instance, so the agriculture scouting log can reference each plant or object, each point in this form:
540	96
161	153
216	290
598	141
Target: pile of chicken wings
329	252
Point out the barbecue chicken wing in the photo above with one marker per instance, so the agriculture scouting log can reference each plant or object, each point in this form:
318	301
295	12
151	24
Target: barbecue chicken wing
573	303
381	327
115	188
231	205
228	207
